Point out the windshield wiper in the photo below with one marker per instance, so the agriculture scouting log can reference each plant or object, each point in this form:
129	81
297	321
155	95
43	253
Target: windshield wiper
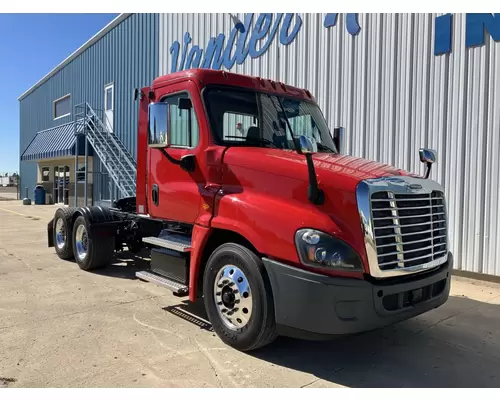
252	139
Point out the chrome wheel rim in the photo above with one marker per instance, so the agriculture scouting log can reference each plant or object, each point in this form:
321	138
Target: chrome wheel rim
233	297
60	234
81	241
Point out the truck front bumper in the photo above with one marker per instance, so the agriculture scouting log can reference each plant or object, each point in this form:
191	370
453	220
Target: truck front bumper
313	306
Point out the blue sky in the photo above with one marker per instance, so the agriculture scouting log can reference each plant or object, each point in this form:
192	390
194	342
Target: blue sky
31	45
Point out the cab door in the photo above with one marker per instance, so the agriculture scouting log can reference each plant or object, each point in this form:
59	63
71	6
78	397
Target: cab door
175	193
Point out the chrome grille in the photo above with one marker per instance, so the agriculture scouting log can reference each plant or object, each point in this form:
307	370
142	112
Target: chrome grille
409	230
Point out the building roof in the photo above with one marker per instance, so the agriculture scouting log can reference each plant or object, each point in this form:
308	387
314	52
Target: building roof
79	51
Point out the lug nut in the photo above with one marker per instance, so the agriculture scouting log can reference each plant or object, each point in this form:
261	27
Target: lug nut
218	293
230	284
219	303
235	291
223	310
236	302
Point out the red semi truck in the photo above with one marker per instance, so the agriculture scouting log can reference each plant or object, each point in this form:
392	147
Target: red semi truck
245	200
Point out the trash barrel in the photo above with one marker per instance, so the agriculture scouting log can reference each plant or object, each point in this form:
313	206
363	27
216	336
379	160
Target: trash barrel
39	193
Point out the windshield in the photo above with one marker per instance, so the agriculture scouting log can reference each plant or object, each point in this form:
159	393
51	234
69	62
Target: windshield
256	119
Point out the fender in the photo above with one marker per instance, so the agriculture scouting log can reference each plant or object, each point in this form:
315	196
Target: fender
100	221
270	224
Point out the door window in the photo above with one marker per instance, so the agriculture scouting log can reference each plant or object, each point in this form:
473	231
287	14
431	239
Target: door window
45	174
109	105
182	124
109	99
236	126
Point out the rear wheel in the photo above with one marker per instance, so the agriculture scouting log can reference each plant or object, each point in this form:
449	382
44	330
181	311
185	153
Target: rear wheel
63	239
238	298
89	253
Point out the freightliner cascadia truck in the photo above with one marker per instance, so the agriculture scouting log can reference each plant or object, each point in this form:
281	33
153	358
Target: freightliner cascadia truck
246	202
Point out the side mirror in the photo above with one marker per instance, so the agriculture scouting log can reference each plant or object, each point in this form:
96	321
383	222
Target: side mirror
159	136
428	157
307	145
338	134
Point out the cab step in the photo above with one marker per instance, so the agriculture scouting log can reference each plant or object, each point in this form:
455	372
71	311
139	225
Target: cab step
176	287
170	241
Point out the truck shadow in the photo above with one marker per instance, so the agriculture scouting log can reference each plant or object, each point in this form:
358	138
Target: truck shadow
124	265
457	345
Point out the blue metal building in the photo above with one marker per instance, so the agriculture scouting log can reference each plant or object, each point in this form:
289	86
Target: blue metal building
395	82
90	94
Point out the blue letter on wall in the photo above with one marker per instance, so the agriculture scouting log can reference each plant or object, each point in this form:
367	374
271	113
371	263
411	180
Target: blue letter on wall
351	20
476	25
442	34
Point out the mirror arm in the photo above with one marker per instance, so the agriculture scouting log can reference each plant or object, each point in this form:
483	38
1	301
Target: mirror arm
186	162
314	193
428	172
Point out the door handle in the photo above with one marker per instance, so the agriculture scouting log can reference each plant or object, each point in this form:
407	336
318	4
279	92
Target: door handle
155	195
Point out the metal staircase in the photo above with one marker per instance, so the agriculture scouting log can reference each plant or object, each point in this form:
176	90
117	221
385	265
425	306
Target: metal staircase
115	157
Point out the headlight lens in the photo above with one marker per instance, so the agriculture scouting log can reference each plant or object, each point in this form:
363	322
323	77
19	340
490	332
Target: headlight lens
319	250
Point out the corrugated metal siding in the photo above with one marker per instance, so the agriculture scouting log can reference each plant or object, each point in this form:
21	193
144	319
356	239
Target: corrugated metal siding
393	96
127	56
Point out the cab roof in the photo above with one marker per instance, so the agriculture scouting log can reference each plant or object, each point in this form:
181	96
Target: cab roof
217	77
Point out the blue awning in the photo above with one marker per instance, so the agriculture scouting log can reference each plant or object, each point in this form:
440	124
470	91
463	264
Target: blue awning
54	142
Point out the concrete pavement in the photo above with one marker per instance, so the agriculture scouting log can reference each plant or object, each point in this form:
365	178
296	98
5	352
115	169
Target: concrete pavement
63	327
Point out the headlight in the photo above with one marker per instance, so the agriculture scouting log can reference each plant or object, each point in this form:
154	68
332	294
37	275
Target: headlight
319	250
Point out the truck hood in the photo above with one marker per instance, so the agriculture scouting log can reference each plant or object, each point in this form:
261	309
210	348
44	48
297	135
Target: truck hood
341	171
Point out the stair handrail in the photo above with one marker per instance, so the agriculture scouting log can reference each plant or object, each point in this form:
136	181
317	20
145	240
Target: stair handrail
105	129
89	119
130	174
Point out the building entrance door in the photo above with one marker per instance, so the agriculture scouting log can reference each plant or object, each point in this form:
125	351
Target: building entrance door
61	184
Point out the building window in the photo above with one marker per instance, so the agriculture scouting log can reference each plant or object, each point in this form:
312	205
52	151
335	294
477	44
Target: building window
81	175
62	107
182	124
45	174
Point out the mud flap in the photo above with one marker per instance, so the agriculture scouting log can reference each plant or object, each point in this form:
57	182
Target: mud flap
50	233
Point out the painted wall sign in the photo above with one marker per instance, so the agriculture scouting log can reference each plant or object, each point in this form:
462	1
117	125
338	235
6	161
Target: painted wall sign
476	27
254	39
246	39
351	20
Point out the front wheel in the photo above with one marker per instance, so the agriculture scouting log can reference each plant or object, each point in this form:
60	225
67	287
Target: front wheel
89	253
238	298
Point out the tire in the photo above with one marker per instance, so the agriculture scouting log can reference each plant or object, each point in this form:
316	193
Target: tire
234	266
90	253
62	233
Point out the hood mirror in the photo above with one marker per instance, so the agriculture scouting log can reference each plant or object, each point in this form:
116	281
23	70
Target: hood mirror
307	145
428	157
